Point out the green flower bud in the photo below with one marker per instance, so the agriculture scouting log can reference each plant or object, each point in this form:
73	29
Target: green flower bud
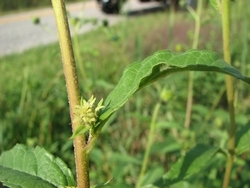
166	95
87	112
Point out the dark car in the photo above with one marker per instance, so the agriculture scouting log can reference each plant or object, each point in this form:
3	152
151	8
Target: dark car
110	6
114	6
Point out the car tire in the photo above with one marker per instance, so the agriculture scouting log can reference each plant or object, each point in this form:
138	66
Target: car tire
109	6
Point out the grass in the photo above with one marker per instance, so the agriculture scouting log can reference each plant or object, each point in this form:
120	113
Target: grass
10	7
34	105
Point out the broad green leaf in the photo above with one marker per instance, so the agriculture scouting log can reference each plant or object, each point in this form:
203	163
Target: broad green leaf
161	64
187	165
28	167
16	179
243	139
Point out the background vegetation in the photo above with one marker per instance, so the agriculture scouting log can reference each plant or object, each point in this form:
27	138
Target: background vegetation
34	104
14	5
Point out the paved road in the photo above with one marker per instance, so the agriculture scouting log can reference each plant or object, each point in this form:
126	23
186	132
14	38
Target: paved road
18	33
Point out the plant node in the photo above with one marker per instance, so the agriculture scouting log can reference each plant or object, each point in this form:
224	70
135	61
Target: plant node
87	113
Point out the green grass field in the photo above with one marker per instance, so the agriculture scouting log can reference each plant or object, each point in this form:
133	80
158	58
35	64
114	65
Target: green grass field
34	109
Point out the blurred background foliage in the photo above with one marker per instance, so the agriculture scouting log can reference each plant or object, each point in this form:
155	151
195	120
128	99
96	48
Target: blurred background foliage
13	5
34	109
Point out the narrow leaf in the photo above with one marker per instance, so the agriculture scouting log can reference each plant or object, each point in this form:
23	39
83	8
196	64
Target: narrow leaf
187	165
27	167
80	131
161	64
102	184
242	139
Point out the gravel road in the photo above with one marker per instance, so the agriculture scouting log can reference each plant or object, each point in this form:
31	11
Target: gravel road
18	33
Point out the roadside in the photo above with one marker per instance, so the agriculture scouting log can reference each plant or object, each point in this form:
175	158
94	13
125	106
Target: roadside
18	33
20	16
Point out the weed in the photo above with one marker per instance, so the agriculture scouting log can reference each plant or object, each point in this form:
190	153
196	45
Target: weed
124	138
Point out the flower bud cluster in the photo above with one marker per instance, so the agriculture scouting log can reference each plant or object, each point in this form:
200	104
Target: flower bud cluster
87	112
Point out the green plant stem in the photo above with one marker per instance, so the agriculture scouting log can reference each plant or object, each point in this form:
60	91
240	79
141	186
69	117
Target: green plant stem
171	27
24	91
212	109
245	47
79	58
149	144
81	158
196	16
189	100
230	90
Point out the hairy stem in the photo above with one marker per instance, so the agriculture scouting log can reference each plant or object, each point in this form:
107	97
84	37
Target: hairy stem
230	90
81	158
149	144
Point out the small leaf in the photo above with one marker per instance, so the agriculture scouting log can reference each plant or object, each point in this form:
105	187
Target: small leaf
80	130
101	184
187	165
242	139
161	64
125	158
152	175
214	3
30	168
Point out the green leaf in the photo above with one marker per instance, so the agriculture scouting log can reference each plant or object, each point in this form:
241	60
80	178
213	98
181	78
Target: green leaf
30	168
102	184
152	175
161	64
242	139
80	130
214	3
187	165
125	158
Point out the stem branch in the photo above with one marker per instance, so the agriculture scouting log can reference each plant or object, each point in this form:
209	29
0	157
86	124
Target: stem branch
196	14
